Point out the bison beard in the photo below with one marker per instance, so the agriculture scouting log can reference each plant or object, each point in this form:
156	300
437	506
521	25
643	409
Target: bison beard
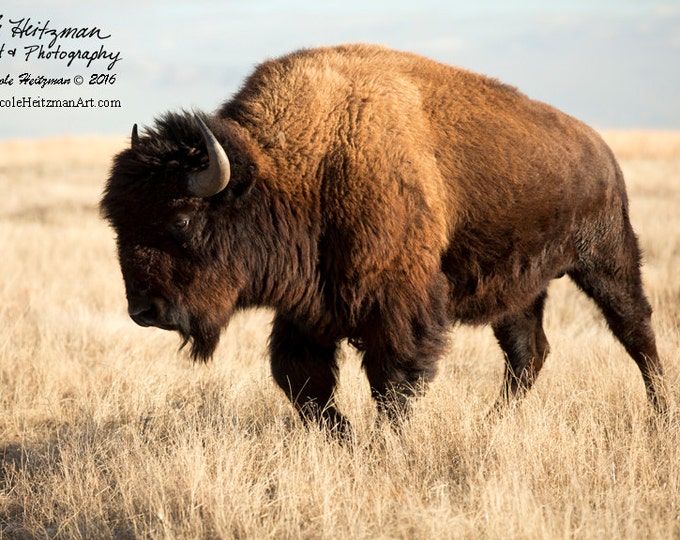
204	338
375	196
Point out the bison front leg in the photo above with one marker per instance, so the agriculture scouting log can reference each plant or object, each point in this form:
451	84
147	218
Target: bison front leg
401	354
393	386
306	370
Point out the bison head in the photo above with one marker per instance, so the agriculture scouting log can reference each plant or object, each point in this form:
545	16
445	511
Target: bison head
169	198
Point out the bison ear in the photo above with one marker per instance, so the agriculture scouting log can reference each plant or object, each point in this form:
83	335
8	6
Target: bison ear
134	138
215	178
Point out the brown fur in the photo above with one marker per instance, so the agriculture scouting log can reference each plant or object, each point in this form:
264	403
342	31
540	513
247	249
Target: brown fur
378	196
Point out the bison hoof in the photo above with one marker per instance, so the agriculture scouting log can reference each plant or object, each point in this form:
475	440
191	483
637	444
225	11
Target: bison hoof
332	422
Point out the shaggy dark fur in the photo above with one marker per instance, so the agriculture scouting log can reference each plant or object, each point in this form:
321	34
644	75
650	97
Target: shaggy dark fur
377	196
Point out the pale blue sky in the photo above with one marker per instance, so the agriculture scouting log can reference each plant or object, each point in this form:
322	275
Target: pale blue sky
614	64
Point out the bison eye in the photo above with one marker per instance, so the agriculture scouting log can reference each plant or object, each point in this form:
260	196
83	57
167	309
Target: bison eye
180	224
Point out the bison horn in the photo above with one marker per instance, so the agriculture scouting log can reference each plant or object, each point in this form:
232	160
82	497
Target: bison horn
134	138
215	178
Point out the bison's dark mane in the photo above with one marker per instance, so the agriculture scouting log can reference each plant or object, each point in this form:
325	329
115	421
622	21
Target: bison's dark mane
174	137
172	148
173	144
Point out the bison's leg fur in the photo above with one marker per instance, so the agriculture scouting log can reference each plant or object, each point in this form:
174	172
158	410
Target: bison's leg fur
619	294
401	357
306	370
525	347
393	392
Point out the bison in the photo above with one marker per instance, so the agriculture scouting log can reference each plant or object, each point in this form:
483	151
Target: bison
375	196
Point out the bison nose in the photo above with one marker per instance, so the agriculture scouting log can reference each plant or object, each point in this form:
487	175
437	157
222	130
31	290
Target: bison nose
145	311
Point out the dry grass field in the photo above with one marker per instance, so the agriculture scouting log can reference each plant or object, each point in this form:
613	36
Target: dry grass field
106	431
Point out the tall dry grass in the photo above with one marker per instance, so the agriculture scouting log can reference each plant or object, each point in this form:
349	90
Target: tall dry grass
107	432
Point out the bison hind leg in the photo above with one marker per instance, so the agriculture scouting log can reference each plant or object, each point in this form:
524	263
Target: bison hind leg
525	348
620	297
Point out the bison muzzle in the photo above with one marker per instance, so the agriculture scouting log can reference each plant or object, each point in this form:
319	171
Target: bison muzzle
375	196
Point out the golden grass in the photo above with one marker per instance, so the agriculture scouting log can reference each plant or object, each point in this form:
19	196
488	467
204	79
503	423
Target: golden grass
107	432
